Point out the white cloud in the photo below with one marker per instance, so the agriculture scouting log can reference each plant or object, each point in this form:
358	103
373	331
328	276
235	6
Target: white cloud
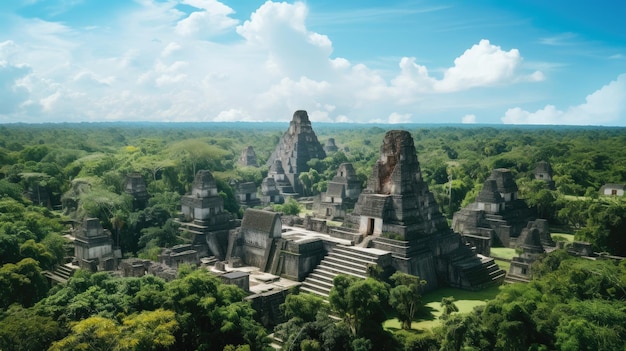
468	119
213	19
156	62
606	105
483	64
233	115
395	118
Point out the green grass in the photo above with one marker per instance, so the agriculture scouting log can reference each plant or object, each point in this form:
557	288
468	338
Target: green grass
503	252
567	237
504	265
428	316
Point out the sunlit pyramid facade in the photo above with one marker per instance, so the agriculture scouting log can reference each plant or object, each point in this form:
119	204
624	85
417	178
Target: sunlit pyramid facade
295	149
398	213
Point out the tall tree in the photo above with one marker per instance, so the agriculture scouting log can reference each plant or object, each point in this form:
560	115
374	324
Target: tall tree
405	296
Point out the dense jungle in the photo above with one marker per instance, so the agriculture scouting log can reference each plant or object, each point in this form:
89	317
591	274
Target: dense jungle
53	174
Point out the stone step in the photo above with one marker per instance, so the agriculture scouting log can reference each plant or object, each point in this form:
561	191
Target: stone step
348	261
320	283
352	251
314	290
341	267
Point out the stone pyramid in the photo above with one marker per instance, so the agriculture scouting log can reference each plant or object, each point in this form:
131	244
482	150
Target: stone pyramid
398	213
297	146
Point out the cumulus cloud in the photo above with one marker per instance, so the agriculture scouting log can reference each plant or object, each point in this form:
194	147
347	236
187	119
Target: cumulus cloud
162	61
396	118
606	105
468	119
214	18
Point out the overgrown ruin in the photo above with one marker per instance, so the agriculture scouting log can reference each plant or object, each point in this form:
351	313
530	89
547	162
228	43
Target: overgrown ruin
498	215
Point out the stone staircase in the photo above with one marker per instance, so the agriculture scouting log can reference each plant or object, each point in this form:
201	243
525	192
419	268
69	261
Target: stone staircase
349	260
479	274
61	274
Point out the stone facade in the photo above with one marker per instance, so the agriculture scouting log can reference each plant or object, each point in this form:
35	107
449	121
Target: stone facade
543	171
530	244
330	146
203	215
246	193
398	214
248	157
259	243
93	247
341	194
270	193
179	254
136	187
297	146
500	212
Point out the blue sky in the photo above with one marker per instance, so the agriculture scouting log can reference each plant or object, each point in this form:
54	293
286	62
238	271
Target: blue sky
512	62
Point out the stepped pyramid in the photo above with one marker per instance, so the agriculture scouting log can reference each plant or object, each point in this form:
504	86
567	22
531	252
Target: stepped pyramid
297	146
398	214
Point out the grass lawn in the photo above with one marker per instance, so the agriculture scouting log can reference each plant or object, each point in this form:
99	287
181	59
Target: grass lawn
503	252
504	265
428	316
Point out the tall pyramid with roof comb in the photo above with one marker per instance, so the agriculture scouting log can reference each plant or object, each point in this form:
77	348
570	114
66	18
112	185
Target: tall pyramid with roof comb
397	213
297	146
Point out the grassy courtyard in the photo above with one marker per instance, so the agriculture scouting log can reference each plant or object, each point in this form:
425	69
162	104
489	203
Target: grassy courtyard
428	316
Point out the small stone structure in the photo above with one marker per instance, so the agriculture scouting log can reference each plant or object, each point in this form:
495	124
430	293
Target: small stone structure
270	193
248	157
135	186
341	194
93	247
281	179
179	254
501	215
330	146
203	215
530	244
260	242
297	146
543	171
610	189
240	279
135	267
246	193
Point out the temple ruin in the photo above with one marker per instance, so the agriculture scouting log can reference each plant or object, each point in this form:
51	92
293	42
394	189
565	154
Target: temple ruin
531	245
135	186
330	146
246	193
295	149
543	171
248	157
93	247
498	215
341	194
204	217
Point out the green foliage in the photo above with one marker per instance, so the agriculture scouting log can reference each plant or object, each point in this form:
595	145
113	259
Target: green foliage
25	330
291	207
405	296
22	283
572	304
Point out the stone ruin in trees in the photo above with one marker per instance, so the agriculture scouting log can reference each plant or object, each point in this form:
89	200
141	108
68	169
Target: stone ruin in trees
341	194
295	149
498	215
395	225
248	157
